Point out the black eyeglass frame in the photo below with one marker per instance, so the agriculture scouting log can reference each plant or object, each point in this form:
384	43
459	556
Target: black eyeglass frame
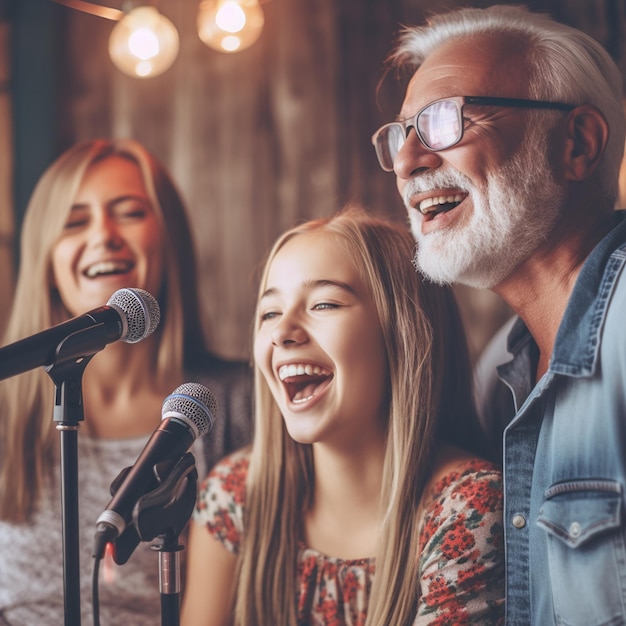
461	101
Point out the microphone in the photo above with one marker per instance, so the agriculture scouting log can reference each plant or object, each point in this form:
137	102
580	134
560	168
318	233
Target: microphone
187	414
130	315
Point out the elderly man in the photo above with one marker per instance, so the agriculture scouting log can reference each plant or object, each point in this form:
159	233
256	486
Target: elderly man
506	152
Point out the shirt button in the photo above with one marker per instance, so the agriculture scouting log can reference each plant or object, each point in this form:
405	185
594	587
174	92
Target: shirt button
519	521
574	530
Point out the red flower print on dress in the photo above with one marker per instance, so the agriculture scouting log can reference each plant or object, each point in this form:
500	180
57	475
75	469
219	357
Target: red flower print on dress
457	542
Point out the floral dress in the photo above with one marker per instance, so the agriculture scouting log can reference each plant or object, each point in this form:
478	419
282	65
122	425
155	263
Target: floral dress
461	560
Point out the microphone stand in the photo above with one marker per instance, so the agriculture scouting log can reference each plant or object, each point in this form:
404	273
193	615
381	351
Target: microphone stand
66	371
164	513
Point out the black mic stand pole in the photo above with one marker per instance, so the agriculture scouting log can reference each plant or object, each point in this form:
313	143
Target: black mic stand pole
67	372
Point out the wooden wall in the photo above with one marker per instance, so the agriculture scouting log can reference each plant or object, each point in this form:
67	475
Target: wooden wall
273	135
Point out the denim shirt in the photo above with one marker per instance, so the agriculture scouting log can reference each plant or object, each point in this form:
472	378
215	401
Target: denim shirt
565	457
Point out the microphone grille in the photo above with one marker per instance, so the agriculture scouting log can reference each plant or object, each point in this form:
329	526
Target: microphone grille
195	403
141	310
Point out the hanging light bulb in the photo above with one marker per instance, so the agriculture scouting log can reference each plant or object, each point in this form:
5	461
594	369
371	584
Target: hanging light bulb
143	43
230	25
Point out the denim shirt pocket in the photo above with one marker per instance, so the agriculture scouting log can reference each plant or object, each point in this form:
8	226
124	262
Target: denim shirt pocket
586	553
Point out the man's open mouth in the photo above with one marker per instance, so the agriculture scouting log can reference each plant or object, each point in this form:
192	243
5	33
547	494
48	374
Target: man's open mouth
440	204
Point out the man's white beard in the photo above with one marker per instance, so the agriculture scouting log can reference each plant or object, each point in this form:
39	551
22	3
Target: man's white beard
513	215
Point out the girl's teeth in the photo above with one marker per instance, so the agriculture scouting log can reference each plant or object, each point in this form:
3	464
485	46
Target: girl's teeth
297	400
300	369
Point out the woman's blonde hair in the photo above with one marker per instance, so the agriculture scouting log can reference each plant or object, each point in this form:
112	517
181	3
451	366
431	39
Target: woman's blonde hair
27	441
429	397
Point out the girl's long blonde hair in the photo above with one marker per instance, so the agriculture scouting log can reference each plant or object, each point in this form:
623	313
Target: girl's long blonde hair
430	398
27	434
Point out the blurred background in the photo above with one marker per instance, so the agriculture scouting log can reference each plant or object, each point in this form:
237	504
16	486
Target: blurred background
257	139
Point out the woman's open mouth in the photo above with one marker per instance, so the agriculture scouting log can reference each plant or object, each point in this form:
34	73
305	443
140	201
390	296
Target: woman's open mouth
108	268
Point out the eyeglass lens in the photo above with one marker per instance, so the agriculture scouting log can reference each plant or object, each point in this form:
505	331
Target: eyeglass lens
438	126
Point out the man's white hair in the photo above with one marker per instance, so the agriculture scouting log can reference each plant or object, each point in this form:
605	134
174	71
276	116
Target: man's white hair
565	65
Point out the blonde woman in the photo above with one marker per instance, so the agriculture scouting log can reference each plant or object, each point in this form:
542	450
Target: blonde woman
104	216
356	503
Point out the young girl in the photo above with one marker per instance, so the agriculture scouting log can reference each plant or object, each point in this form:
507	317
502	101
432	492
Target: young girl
354	505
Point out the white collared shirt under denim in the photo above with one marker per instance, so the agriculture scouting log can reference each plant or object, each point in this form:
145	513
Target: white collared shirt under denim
565	457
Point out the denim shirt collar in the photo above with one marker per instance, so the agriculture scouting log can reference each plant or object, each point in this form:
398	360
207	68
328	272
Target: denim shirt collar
577	341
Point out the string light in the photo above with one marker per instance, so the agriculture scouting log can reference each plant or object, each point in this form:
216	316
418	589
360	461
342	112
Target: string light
230	25
144	43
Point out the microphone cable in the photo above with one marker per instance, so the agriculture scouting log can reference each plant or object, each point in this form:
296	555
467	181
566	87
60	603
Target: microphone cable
95	597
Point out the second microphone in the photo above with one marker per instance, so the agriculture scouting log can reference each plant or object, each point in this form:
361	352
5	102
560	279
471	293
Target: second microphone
187	413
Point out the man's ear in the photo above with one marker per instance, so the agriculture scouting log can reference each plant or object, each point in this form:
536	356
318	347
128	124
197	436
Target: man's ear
587	133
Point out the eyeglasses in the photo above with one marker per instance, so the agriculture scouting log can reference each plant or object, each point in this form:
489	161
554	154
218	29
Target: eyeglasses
439	125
